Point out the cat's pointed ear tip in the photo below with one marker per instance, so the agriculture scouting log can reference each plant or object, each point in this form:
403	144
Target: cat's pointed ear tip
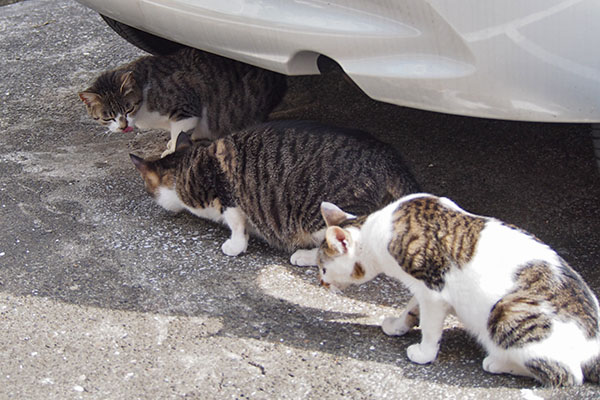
183	141
325	205
86	96
333	215
136	159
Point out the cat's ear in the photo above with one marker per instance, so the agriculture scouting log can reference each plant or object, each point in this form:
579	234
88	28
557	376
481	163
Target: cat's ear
338	239
139	163
333	215
127	83
89	98
148	172
183	141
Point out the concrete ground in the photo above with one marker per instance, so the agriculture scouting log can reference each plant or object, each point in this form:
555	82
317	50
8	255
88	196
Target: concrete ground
103	295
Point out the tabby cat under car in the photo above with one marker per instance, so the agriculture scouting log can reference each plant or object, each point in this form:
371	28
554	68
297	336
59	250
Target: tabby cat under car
189	89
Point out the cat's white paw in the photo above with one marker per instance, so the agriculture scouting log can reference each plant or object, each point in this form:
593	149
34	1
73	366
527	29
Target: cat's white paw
166	153
233	247
304	258
395	326
416	355
494	365
170	149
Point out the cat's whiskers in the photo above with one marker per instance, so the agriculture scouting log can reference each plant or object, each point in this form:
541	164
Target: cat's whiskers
334	289
106	133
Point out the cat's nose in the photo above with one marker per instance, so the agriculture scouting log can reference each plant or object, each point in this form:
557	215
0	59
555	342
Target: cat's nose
123	124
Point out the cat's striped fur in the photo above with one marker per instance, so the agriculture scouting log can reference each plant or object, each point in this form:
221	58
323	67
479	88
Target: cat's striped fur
189	89
274	176
533	313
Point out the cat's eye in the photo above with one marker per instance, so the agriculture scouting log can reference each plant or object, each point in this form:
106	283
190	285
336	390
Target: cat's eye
106	117
323	271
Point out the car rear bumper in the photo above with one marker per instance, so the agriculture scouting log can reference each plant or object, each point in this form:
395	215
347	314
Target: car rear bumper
535	60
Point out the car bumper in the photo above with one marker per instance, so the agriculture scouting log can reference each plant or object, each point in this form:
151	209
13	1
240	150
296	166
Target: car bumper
535	60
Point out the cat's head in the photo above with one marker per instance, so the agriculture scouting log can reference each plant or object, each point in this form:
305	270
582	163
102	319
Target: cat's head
159	175
338	255
113	100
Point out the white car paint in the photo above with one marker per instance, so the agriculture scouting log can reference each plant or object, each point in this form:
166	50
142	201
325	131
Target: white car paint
534	60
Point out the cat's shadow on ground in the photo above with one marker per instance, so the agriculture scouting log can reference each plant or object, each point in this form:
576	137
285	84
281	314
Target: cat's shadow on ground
312	328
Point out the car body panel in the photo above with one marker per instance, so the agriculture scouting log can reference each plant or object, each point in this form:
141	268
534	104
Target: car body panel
535	60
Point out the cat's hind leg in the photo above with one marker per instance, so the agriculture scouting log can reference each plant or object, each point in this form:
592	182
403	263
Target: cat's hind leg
547	371
238	242
432	315
392	326
553	373
502	365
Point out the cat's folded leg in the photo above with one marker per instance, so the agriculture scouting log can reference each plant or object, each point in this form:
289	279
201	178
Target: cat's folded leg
432	315
238	242
304	258
392	326
497	365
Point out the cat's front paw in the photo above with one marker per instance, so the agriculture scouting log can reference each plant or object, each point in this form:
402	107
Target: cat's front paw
166	153
304	258
170	149
395	326
233	247
417	355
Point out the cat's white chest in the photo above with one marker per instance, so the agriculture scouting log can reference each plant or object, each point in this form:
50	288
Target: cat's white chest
212	212
146	119
168	199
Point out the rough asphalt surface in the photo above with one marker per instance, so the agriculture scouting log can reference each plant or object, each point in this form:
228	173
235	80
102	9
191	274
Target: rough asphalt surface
104	295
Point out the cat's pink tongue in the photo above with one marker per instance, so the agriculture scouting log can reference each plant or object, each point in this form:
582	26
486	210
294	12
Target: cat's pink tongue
128	129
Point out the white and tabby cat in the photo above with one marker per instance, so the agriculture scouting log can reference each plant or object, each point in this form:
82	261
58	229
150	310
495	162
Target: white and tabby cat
270	179
533	314
189	89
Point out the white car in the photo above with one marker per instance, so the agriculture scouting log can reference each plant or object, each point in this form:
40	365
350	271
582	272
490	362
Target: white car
533	60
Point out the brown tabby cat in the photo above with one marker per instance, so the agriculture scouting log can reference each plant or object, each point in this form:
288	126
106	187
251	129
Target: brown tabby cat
271	178
189	89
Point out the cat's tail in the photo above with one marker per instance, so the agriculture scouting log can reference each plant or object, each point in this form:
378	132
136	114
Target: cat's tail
551	373
555	374
591	369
